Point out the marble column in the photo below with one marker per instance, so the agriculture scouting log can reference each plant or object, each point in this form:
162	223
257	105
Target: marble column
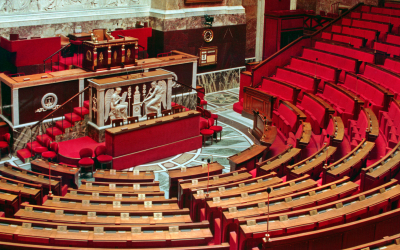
260	29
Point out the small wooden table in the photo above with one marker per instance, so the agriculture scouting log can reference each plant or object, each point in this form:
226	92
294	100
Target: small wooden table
69	175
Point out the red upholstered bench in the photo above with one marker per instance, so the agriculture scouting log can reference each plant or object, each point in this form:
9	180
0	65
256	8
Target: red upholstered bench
316	113
339	61
305	81
392	64
393	39
391	49
281	89
383	28
343	103
362	55
356	129
284	119
386	11
383	18
323	71
369	34
384	77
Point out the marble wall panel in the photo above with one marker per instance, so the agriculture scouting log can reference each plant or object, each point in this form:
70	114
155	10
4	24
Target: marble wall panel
251	26
306	4
32	6
220	80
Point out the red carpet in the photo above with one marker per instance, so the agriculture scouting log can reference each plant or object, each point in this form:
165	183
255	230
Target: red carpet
69	150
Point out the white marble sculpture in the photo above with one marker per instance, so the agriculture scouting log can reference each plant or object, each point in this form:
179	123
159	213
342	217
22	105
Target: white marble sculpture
156	97
115	105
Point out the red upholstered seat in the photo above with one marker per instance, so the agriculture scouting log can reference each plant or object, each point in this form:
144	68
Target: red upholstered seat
101	156
207	132
203	102
39	150
3	144
104	158
216	128
208	114
49	155
86	162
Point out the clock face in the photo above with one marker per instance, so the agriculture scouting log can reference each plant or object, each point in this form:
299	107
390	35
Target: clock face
208	35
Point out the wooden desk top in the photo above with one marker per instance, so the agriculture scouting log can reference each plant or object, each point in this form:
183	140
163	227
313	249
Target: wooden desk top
352	158
116	79
277	190
67	72
306	134
23	189
276	161
241	187
338	131
83	34
32	77
381	167
85	233
312	161
302	217
124	176
373	124
23	175
117	41
121	187
56	167
152	122
155	206
219	181
112	197
7	197
102	218
287	203
194	171
247	154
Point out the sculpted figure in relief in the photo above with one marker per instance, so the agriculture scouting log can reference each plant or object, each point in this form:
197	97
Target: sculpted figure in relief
156	96
115	105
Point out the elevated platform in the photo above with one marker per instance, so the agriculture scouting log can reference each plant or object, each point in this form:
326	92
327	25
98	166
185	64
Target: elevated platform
69	150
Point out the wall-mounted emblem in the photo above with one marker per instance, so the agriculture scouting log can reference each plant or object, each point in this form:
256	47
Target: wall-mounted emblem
49	102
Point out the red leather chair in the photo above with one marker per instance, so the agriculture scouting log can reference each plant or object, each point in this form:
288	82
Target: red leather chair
39	150
5	144
102	157
201	102
206	132
201	110
207	114
53	150
86	161
216	129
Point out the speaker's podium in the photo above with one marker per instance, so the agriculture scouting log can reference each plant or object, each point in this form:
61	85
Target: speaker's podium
134	97
106	52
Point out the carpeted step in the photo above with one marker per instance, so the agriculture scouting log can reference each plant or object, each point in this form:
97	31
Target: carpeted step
24	154
42	138
86	104
53	132
32	145
72	117
63	125
81	111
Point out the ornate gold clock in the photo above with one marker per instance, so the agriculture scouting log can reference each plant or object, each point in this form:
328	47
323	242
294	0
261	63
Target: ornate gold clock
208	35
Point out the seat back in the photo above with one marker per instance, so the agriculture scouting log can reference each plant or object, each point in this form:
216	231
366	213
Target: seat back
54	147
86	152
117	122
100	150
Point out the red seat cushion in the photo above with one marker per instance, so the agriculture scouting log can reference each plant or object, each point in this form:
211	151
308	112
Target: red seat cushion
3	144
216	128
207	132
203	102
214	116
86	162
49	155
104	158
39	150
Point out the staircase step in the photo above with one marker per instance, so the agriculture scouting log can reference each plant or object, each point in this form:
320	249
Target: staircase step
86	104
53	132
72	117
24	154
79	110
32	145
42	138
63	125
